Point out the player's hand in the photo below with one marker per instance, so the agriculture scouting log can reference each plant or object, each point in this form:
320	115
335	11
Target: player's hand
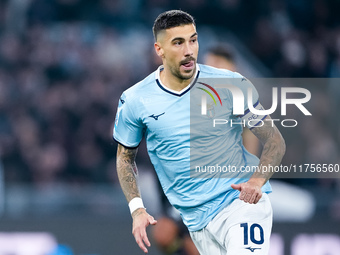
250	191
141	219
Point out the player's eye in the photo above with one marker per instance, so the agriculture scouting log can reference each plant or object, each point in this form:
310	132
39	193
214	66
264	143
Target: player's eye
178	43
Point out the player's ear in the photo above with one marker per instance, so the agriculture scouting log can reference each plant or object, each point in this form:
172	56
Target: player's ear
159	50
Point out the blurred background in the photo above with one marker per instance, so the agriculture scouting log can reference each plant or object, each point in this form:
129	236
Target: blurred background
63	67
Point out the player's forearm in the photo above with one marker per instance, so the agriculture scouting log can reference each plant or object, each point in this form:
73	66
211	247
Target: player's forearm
273	151
127	172
272	154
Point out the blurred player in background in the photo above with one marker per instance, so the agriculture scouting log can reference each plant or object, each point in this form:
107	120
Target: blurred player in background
223	215
222	56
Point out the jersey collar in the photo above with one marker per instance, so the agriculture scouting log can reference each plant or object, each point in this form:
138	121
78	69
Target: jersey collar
174	92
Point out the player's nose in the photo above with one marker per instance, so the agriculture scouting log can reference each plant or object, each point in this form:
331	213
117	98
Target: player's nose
188	50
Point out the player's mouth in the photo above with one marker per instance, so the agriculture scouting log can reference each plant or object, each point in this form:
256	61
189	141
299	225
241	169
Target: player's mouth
188	64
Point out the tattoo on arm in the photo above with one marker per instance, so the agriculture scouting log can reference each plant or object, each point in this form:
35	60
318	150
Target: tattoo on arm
127	172
138	212
273	147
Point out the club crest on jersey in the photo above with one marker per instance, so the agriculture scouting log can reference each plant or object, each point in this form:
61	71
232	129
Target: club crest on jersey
206	109
210	110
209	106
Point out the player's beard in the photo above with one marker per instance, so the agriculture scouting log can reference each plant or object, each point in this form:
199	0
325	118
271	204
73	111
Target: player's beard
176	71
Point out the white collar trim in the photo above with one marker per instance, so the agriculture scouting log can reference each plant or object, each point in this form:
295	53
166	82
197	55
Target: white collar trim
158	71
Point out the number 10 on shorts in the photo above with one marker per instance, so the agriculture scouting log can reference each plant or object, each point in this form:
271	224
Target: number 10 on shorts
250	232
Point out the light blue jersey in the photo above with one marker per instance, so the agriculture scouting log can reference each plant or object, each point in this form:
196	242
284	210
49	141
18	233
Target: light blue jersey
162	115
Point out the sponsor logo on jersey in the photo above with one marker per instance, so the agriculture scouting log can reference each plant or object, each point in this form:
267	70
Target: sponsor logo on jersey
252	249
156	116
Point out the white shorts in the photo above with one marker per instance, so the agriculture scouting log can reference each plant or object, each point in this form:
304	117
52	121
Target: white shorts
239	229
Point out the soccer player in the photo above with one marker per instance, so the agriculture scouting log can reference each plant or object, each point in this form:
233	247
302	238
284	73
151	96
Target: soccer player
223	215
170	234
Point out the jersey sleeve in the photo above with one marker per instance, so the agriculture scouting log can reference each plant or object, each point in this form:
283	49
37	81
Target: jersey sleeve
128	130
250	96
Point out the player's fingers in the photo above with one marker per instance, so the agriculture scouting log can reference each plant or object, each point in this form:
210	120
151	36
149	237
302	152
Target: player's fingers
145	238
247	197
253	198
138	234
236	186
140	243
242	195
258	197
152	221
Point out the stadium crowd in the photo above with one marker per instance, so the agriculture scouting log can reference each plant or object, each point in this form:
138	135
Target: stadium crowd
64	64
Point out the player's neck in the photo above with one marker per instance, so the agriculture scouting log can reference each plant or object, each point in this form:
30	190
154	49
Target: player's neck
172	82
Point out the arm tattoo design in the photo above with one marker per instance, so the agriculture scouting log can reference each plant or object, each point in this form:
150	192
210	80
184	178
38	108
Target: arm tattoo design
273	147
127	172
137	213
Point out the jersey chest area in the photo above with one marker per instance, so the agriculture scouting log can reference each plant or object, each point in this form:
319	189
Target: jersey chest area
171	118
166	117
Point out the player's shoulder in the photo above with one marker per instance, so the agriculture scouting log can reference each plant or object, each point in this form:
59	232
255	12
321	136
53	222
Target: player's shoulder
235	78
213	72
141	88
